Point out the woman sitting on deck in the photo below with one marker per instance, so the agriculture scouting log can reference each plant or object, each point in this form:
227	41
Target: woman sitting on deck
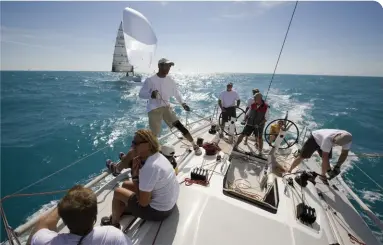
153	191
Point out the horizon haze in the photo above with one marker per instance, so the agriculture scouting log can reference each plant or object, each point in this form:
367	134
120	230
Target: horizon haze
325	38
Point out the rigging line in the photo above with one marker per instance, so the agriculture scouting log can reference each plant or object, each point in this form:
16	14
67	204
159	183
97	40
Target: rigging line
280	53
58	171
380	187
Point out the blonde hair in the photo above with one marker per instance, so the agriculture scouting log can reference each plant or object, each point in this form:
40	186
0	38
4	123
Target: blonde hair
148	136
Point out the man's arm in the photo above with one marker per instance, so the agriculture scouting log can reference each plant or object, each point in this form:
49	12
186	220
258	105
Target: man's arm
325	162
342	157
144	197
220	103
266	116
48	221
148	179
126	161
238	100
145	91
220	100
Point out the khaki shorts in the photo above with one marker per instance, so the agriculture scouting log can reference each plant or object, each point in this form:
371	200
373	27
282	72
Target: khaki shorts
157	115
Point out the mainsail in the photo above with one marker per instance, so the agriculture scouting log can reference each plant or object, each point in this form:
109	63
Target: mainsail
120	57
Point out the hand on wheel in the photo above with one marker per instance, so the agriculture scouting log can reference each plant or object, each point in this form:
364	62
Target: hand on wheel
154	94
186	107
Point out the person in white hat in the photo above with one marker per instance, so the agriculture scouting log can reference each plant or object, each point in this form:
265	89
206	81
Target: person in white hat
323	140
158	89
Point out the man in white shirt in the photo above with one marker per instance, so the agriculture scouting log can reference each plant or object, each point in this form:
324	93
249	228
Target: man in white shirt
78	210
228	102
158	89
323	140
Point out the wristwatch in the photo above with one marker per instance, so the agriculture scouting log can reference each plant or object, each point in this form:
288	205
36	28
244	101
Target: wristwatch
135	178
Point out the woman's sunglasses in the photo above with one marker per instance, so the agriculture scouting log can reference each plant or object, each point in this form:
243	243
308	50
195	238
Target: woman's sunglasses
135	143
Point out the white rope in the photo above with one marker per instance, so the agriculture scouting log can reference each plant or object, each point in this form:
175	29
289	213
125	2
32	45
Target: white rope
58	171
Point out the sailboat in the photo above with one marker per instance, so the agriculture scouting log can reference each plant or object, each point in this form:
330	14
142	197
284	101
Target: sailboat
242	199
120	58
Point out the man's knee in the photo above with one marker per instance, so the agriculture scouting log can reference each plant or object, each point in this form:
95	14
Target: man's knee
178	125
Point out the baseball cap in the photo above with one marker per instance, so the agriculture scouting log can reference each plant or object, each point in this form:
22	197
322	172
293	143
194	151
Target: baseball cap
165	61
230	84
343	138
255	90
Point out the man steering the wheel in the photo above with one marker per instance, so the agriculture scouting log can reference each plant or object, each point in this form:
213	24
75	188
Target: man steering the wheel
255	118
227	104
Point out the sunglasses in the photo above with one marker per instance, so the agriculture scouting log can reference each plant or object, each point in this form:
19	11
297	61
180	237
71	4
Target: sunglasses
135	143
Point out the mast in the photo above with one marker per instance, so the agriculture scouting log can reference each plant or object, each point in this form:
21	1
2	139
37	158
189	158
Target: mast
120	57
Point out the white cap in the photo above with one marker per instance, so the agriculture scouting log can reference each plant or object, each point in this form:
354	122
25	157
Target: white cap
165	61
167	150
343	138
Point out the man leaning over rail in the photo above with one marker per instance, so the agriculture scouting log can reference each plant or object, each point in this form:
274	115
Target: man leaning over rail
78	210
323	140
158	89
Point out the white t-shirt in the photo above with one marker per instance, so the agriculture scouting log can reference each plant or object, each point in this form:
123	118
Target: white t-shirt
157	176
228	98
250	101
101	235
324	138
167	88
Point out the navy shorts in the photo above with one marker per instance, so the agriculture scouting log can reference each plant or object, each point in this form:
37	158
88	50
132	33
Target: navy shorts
228	113
310	146
248	130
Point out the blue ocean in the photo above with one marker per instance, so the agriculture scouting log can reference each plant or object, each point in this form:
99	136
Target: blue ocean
50	120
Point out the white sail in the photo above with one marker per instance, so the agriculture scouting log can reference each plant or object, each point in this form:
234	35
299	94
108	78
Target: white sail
120	57
140	39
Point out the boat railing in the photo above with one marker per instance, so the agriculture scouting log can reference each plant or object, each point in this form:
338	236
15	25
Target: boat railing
20	230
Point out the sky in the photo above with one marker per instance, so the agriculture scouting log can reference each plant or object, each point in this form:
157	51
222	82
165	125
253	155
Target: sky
325	38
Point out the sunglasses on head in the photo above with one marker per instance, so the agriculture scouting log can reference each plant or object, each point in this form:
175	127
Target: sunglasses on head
135	143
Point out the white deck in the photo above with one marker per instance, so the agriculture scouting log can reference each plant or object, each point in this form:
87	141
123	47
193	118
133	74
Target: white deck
209	215
205	215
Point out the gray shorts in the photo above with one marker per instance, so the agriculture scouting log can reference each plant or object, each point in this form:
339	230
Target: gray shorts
147	213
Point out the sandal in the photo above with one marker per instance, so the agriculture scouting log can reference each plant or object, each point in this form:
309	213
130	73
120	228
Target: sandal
108	221
121	155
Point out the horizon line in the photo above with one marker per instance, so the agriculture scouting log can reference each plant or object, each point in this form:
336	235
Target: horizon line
255	73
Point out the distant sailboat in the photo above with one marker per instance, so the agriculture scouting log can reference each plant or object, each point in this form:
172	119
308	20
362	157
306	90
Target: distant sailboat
120	58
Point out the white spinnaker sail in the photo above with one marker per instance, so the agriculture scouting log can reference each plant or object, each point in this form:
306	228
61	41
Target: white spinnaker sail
120	57
140	39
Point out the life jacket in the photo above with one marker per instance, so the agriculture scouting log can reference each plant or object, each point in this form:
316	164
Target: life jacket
257	113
